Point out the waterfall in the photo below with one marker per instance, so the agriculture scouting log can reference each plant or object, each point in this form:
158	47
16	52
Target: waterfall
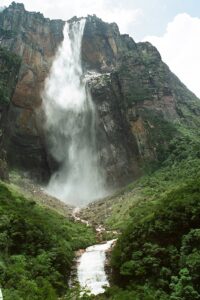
71	124
91	268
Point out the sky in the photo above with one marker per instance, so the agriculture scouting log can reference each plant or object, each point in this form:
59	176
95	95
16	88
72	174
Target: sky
173	26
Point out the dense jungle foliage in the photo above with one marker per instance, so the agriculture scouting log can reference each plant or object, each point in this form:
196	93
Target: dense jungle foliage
161	245
36	248
158	253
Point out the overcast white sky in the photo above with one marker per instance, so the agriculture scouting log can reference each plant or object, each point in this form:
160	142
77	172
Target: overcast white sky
173	26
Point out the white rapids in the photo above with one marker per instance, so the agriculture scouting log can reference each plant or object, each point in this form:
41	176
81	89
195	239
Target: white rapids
91	272
1	295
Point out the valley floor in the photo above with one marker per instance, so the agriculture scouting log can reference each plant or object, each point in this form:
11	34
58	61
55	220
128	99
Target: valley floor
156	220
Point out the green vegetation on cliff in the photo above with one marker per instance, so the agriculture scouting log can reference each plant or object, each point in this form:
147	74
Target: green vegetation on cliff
158	253
36	248
182	165
9	67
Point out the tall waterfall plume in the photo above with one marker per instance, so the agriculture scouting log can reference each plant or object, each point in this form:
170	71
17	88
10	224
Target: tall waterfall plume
70	124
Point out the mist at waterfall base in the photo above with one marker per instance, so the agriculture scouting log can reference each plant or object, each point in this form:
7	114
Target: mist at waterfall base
71	125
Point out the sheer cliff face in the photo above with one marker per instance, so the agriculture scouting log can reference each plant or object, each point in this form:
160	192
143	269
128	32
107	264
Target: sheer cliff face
139	101
137	97
9	69
35	39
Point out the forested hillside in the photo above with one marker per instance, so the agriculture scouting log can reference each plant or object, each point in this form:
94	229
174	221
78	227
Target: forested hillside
37	248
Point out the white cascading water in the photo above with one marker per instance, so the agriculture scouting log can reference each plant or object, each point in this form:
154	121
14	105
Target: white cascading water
91	272
70	125
1	295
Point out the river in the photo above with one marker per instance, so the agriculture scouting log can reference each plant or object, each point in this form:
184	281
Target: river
91	268
1	295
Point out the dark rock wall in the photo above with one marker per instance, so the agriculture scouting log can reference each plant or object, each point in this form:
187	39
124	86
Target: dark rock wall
9	69
138	100
35	39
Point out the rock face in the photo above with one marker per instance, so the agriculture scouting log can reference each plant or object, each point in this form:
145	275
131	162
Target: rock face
9	69
35	39
139	101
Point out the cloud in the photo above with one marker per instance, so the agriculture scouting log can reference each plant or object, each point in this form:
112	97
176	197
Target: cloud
180	49
108	10
2	8
124	18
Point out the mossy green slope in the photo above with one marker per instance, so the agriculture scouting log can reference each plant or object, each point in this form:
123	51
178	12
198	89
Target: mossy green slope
182	164
160	246
36	248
